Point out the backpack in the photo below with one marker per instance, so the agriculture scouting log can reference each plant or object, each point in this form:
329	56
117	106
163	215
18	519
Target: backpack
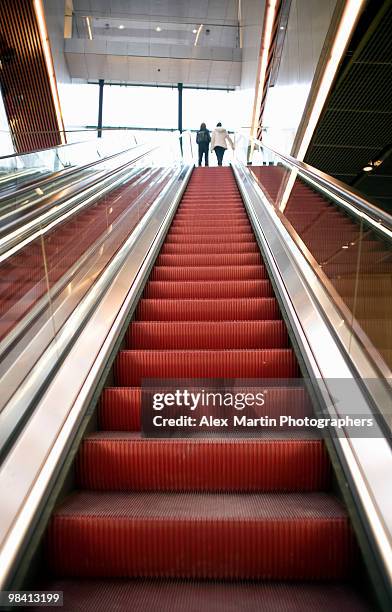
203	136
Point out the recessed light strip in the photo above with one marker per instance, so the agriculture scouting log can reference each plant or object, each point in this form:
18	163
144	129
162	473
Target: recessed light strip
39	12
198	34
263	61
90	34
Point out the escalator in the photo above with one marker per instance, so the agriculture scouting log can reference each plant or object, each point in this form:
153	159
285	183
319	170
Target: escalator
204	523
354	258
27	274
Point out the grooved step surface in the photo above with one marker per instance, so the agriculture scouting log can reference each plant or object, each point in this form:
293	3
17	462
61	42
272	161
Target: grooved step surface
207	335
214	248
234	309
205	596
210	259
128	462
202	536
189	273
209	238
120	406
133	366
208	289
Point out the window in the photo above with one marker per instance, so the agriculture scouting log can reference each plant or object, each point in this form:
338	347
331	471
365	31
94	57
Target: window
208	106
147	107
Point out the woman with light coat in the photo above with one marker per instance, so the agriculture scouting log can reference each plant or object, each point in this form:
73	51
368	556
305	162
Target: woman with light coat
219	139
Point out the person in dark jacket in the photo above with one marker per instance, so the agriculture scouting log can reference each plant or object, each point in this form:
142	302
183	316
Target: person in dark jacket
203	140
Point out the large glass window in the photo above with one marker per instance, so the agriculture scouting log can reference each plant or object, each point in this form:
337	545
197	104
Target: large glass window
208	106
79	104
146	107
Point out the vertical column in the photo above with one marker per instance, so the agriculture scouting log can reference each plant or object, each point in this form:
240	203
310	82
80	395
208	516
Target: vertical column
100	107
27	78
180	88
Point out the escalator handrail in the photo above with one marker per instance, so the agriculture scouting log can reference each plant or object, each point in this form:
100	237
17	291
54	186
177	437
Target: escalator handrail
61	146
39	183
24	234
358	204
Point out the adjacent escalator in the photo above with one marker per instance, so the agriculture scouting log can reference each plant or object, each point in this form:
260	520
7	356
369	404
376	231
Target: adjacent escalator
353	257
213	523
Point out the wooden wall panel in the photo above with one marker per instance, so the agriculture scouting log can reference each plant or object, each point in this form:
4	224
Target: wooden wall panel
24	79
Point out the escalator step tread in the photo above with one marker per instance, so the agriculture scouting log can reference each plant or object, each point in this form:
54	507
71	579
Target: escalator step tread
202	535
234	309
207	335
120	407
208	289
209	596
128	462
133	365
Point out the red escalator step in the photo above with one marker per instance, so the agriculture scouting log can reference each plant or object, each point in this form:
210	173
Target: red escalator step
208	289
210	238
131	367
209	259
193	247
219	215
119	408
207	335
234	309
208	596
208	273
128	462
178	230
197	535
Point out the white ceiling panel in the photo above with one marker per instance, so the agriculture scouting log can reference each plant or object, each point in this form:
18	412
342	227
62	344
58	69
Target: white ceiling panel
199	73
202	10
154	70
77	65
117	48
179	70
138	49
117	68
96	66
198	10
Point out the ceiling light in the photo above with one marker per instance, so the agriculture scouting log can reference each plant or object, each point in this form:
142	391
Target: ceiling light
377	163
345	246
158	29
121	26
198	33
281	28
368	167
194	31
90	34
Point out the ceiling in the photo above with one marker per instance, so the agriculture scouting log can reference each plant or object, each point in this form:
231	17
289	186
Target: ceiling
356	125
156	42
220	11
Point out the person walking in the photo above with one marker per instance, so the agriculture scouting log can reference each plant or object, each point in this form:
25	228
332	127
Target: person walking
203	140
218	142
